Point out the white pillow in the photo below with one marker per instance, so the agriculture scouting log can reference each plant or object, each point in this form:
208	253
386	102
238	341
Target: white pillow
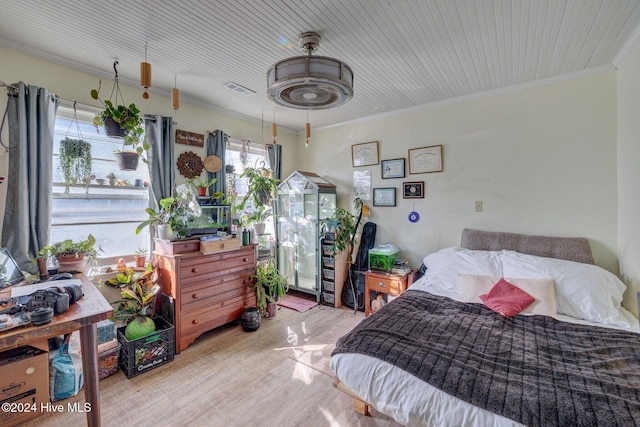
471	286
583	291
444	266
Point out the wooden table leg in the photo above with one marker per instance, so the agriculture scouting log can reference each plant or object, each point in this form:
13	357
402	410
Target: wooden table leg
89	343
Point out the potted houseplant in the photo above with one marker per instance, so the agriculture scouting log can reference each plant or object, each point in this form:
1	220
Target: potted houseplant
122	121
269	285
258	218
202	184
141	257
138	290
171	219
72	256
75	161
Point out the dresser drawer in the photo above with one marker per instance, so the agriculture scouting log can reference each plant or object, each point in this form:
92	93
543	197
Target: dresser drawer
215	290
387	285
195	322
210	267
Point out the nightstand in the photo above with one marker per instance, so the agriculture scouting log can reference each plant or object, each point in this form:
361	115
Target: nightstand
379	281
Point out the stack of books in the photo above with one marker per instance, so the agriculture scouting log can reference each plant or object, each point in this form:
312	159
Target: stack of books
401	267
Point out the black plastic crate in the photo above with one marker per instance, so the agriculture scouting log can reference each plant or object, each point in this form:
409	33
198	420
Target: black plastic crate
148	352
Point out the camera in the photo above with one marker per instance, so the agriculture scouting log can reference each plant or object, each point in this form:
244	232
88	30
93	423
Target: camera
57	298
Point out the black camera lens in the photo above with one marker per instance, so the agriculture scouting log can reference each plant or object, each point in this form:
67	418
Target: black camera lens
41	316
74	292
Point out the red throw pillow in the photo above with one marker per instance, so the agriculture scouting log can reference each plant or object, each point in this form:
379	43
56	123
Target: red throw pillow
506	299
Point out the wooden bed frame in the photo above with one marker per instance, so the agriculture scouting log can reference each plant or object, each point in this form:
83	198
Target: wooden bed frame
569	248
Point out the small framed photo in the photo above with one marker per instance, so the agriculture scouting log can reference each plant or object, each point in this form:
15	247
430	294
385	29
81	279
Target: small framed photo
365	154
384	197
413	190
393	168
425	159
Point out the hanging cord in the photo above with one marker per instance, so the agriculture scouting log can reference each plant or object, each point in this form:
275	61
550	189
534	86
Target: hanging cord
74	120
116	85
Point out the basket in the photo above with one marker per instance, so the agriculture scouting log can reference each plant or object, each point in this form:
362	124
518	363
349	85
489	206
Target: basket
148	352
108	362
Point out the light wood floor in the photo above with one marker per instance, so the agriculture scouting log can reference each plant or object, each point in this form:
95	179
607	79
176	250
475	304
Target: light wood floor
276	376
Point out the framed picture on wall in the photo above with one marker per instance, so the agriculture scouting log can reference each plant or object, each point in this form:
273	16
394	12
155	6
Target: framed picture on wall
393	168
425	159
365	154
413	190
384	197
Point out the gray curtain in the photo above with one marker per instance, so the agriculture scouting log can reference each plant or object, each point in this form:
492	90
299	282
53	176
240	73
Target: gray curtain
274	152
160	134
27	216
216	145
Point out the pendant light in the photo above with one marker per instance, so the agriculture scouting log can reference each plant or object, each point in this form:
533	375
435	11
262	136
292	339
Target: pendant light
145	74
307	131
175	94
274	128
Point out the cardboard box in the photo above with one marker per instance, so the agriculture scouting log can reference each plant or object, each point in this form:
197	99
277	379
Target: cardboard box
24	382
220	245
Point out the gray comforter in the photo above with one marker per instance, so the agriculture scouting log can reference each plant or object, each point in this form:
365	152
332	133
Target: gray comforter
532	369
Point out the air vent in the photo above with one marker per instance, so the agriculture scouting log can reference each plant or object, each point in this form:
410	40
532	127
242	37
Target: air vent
239	89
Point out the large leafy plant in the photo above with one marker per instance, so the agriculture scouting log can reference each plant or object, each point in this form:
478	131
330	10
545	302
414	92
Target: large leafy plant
174	211
69	247
269	284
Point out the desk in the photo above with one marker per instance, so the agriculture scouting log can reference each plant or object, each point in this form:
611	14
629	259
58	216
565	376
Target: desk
83	315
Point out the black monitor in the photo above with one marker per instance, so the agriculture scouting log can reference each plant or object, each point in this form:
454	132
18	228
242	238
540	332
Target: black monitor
10	273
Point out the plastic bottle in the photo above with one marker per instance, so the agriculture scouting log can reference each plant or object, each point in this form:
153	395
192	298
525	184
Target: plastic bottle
377	304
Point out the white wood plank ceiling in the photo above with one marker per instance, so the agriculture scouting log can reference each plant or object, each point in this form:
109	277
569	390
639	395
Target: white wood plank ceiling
404	53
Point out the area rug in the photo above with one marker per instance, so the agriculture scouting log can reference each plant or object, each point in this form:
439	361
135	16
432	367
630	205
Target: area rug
296	303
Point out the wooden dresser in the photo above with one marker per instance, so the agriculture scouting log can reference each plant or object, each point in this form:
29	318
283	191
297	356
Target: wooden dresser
210	289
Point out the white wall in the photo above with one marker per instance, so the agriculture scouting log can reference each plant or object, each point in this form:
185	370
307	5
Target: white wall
629	172
76	86
542	161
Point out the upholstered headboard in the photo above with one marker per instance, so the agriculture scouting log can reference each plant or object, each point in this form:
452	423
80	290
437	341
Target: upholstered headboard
569	248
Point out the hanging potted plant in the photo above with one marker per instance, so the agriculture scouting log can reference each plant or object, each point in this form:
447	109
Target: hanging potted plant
122	121
75	161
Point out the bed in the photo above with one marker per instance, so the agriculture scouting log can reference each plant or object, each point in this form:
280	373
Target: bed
442	354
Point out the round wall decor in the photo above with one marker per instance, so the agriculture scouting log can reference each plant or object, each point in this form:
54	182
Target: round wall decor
190	164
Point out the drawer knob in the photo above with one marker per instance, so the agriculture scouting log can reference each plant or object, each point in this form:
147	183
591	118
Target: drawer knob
194	270
195	321
382	284
194	296
245	259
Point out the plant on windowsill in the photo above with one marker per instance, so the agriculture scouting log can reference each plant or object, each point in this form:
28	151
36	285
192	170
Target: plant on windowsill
122	121
140	257
138	290
170	221
72	256
269	285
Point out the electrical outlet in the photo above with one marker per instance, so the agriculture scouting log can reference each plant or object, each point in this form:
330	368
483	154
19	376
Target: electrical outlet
478	206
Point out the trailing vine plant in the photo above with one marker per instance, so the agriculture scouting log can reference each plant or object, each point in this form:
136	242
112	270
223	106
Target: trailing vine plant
75	161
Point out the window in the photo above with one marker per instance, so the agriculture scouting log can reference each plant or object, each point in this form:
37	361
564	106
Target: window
110	212
242	155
